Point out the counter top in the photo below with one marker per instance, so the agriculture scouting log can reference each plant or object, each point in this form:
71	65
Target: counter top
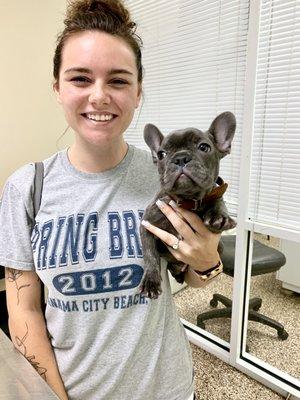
19	380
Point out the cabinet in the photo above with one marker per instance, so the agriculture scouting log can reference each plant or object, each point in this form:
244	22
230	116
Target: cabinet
289	274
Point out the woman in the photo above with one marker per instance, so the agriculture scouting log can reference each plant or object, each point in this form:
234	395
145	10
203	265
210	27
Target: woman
101	338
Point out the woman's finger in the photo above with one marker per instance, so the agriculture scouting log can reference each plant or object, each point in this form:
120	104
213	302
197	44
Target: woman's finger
176	220
165	236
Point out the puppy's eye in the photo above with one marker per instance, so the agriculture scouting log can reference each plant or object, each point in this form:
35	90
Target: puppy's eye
204	147
161	154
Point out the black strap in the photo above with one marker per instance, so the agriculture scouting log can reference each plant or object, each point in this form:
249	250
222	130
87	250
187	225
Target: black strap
37	198
38	187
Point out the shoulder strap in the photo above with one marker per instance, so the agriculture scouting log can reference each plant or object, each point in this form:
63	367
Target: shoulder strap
38	187
37	198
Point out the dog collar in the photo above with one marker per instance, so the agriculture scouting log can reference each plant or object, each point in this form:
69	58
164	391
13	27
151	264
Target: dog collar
193	204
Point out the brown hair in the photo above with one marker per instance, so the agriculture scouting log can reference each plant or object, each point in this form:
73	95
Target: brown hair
108	16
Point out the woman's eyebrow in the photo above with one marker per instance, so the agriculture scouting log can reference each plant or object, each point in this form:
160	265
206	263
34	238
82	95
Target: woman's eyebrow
88	71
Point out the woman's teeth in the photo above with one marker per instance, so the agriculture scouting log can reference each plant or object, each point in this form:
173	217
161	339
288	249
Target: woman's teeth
99	117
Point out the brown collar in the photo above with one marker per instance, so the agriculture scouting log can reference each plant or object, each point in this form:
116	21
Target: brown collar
193	204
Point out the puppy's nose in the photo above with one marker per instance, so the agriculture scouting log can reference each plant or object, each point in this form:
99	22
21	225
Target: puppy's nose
181	159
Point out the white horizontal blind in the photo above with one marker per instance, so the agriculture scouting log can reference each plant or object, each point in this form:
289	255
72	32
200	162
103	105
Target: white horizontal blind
194	58
275	175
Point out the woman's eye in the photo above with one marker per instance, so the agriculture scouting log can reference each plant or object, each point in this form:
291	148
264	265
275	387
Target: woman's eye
204	147
119	82
79	79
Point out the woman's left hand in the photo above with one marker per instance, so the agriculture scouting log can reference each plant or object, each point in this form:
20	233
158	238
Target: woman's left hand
198	247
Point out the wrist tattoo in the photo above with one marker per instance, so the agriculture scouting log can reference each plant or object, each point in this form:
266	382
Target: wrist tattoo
22	348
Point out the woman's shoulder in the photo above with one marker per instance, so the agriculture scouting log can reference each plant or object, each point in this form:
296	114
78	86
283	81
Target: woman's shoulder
22	178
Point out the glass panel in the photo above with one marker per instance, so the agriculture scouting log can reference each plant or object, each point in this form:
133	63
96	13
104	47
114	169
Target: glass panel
274	307
203	306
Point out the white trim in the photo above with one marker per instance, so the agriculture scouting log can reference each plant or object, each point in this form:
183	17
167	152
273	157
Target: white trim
244	185
271	368
273	230
266	378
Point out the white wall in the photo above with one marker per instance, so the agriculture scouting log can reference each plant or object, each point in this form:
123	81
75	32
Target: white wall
31	119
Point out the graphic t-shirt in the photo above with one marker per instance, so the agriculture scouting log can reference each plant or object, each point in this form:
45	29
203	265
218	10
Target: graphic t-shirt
110	342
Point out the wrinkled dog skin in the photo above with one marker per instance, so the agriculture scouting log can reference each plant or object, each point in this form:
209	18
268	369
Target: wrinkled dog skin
188	164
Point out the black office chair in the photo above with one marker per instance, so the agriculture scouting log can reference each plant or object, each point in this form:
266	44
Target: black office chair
264	260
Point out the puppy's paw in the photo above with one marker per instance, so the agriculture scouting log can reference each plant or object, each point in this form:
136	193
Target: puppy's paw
151	284
218	222
229	223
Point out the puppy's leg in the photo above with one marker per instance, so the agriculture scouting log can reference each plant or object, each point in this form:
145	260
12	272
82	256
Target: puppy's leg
152	277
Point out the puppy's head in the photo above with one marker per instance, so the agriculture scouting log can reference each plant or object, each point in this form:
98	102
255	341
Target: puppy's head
188	159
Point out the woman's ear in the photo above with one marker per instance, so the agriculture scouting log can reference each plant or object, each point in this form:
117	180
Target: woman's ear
56	90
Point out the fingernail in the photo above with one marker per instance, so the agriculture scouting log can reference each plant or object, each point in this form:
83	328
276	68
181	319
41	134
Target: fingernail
160	203
173	204
145	223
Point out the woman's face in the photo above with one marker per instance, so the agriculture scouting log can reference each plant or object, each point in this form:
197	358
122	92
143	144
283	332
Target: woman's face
106	88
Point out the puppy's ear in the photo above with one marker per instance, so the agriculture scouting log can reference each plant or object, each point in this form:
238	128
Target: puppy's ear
153	137
222	129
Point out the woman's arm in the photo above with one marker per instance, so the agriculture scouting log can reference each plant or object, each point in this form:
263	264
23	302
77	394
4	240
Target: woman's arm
28	328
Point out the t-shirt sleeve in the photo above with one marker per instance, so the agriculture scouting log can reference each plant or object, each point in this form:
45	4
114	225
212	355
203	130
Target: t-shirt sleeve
15	230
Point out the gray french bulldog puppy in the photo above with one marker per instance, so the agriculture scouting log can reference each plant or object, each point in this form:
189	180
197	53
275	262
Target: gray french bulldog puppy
188	164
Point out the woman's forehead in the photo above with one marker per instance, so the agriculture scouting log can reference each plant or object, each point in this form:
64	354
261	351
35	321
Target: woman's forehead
97	50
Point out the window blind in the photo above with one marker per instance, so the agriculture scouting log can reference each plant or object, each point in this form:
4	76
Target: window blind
275	167
194	57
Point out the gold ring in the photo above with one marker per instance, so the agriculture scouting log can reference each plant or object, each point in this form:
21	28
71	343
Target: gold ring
176	245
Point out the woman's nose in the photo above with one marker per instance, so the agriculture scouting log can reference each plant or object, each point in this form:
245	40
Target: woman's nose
99	95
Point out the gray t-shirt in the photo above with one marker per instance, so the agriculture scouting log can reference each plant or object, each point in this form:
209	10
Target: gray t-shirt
110	342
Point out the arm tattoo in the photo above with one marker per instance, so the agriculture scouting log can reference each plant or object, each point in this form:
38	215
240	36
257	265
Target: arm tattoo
13	276
22	348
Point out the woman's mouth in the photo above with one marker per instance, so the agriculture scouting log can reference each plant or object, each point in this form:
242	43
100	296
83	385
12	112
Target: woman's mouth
99	119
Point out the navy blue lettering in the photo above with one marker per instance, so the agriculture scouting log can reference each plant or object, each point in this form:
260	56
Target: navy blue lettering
53	257
115	235
128	301
90	238
35	237
100	280
63	305
43	248
71	240
132	235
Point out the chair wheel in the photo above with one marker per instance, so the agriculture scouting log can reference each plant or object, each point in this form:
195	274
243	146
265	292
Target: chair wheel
256	308
283	335
201	324
214	303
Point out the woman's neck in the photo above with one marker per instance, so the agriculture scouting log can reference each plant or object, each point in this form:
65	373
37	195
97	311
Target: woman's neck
92	159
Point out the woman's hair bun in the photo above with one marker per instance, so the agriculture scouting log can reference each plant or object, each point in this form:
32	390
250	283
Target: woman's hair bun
115	8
